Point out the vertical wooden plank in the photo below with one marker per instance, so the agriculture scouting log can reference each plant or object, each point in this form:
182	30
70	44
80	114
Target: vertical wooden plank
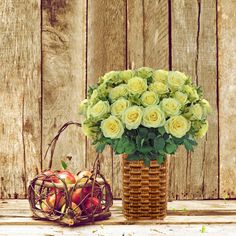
227	98
106	51
148	43
64	57
148	34
20	92
194	52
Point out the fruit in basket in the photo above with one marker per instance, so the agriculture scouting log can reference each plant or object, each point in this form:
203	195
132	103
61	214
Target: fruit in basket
74	207
45	206
79	194
55	199
84	174
93	204
66	176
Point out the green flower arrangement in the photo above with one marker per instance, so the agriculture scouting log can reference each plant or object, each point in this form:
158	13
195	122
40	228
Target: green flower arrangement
145	113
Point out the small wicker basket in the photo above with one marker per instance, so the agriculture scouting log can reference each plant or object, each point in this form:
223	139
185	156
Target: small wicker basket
94	194
144	190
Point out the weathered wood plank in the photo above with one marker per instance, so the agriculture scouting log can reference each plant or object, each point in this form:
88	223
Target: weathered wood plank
20	95
64	84
136	230
227	98
106	52
193	36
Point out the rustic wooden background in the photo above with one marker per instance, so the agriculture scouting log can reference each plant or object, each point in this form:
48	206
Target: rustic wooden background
52	50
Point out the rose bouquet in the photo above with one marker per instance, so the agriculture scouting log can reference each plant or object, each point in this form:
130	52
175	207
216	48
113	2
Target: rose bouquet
145	113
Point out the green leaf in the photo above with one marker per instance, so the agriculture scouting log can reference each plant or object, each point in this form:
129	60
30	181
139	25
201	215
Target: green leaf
133	157
151	135
120	147
143	132
161	130
159	143
146	161
146	149
64	165
170	148
131	148
188	145
100	147
160	159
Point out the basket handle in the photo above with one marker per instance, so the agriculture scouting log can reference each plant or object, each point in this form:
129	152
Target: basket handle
52	144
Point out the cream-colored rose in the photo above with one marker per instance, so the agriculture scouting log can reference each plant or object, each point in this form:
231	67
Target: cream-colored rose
170	106
83	106
160	76
99	110
202	131
191	92
119	106
144	72
159	88
112	127
206	107
118	91
132	117
196	112
149	98
176	80
126	75
153	117
137	85
177	126
181	97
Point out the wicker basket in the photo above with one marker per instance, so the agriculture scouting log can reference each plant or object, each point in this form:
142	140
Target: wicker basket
95	196
144	190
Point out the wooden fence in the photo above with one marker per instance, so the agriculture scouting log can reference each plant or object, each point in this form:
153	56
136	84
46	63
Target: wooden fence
52	50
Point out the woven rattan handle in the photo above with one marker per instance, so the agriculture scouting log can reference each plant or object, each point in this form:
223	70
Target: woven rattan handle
53	143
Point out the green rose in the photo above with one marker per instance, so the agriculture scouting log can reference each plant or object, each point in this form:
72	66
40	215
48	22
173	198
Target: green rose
149	98
203	130
191	92
196	112
160	76
112	127
159	88
144	72
137	85
94	97
153	117
177	126
118	91
176	80
83	106
132	117
206	107
89	130
181	97
126	75
99	110
170	106
119	106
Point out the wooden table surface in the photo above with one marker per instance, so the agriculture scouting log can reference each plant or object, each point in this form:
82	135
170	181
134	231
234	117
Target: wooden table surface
211	217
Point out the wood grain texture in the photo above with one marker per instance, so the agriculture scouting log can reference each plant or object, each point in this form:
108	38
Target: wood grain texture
227	97
20	92
106	51
193	26
64	57
148	34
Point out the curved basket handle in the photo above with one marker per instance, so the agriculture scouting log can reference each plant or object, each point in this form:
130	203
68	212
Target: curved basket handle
53	143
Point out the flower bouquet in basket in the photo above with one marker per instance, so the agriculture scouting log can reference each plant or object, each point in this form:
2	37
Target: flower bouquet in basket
144	115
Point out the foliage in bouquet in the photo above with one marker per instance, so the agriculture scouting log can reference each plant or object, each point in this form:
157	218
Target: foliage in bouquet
145	113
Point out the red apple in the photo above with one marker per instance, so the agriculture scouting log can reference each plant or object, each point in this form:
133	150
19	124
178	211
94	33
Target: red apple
92	204
66	176
79	194
55	199
84	174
